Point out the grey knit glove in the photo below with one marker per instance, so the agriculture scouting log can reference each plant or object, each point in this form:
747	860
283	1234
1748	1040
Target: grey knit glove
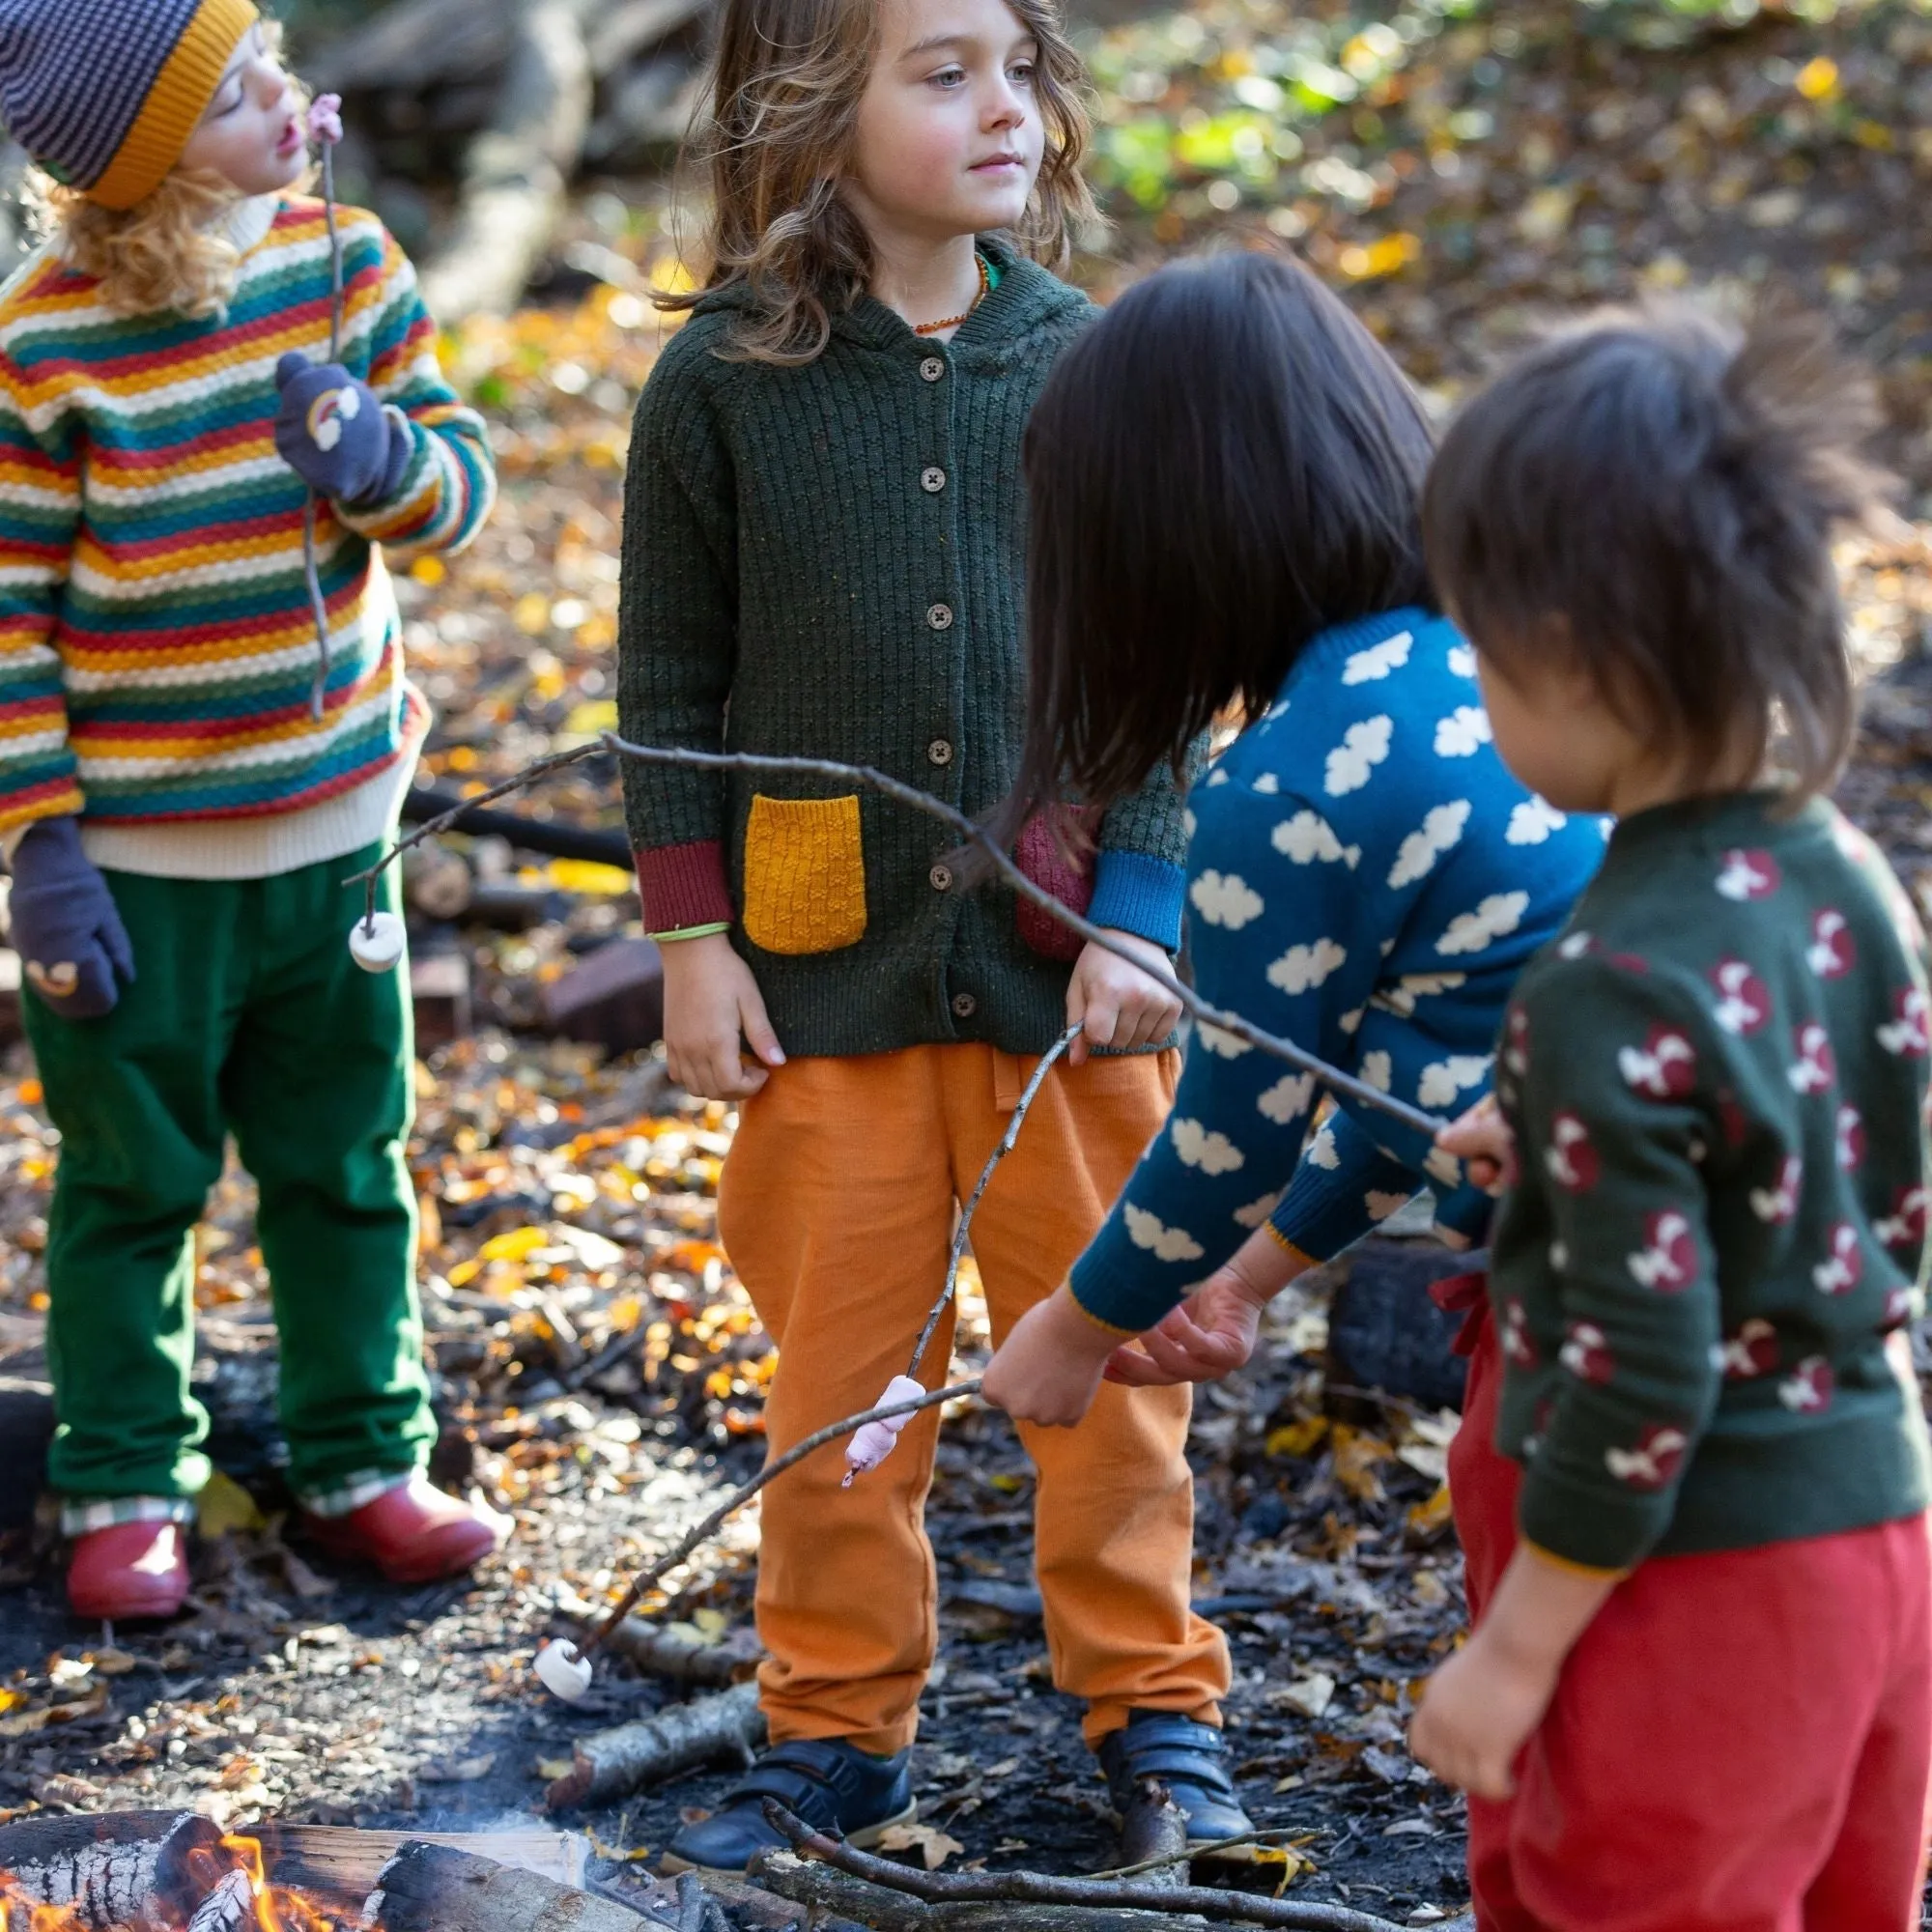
335	434
72	945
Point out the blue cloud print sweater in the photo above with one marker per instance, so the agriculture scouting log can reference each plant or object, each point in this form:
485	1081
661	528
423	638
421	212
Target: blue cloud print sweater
1366	878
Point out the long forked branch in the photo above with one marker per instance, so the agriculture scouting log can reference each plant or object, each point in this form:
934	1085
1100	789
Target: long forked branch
969	832
1047	1062
1036	1888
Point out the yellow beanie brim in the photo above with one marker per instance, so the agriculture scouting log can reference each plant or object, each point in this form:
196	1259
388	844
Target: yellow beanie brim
174	103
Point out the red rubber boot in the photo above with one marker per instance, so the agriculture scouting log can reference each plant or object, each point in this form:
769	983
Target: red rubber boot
128	1571
412	1533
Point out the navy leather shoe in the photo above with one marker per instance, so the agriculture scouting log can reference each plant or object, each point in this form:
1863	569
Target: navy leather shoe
1191	1759
825	1782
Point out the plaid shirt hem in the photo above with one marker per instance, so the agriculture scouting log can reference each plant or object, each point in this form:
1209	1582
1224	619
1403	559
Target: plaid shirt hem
353	1492
82	1518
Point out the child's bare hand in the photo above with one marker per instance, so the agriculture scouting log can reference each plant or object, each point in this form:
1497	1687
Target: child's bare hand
1209	1336
711	1004
1478	1713
1117	1004
1480	1138
1048	1369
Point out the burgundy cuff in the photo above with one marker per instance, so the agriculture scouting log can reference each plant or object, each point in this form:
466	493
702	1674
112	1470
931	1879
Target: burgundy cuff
684	886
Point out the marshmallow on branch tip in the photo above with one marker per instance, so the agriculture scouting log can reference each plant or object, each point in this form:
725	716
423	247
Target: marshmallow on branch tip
871	1445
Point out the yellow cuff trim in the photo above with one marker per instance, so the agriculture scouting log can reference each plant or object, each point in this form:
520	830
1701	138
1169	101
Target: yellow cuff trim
1105	1327
1556	1562
174	103
1288	1247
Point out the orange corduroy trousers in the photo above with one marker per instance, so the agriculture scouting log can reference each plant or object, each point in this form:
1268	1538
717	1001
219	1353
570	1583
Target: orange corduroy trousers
837	1208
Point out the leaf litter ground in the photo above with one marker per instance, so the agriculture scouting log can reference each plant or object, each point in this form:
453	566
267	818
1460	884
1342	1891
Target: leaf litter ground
599	1374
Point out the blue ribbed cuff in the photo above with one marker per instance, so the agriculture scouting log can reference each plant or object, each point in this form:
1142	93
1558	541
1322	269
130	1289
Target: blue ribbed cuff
1135	893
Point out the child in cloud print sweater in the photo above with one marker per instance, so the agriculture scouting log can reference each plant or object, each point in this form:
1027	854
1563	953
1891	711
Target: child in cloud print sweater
1364	878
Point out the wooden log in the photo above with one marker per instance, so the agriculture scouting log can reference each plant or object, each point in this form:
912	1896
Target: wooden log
1154	1826
438	1888
614	998
26	1428
423	803
515	174
611	1764
417	44
125	1868
660	1651
621	33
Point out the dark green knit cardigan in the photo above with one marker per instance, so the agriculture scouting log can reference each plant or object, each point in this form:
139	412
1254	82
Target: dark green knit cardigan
827	561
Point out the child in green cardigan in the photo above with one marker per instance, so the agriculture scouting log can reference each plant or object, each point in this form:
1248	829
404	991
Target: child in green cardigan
1692	1475
823	556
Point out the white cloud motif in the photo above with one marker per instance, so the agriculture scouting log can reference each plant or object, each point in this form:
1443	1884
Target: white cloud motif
1382	1206
1187	822
1288	1098
1378	1070
1217	776
1256	1211
1498	915
1199	1147
1321	1150
1228	901
1164	1243
1457	735
1461	661
1308	836
1378	660
1349	1022
1364	746
1443	1167
1400	998
1301	968
1443	1079
1441	831
1268	784
1227	1045
1533	821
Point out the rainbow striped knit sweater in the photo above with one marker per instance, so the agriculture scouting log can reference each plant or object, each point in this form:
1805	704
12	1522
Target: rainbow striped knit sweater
157	643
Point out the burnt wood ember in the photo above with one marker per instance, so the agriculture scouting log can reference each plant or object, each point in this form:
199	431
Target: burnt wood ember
438	1888
132	1868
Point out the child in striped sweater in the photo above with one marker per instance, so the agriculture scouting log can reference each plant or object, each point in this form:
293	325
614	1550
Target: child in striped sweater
187	774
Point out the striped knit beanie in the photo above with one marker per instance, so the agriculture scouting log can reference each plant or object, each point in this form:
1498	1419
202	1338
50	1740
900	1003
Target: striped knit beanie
105	94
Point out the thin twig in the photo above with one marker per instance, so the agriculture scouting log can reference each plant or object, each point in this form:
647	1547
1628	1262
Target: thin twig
973	834
701	1530
999	1153
1036	1888
431	827
317	696
1210	1848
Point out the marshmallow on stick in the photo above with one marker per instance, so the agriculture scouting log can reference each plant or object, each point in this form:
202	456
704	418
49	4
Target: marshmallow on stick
870	1446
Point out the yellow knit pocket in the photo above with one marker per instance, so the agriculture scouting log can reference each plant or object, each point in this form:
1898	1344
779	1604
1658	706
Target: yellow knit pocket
805	874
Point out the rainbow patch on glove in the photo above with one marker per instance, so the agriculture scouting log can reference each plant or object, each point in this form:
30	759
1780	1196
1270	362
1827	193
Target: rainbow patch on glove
329	413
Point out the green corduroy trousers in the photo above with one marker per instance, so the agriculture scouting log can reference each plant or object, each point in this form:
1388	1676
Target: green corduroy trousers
247	1016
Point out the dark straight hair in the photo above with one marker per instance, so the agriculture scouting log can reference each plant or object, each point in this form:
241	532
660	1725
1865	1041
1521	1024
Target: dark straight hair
1651	495
1224	464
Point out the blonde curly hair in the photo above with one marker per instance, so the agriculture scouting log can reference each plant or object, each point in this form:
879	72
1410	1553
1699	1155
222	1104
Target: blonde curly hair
170	251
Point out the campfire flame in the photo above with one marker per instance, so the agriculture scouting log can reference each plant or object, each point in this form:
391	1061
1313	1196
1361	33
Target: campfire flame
235	1896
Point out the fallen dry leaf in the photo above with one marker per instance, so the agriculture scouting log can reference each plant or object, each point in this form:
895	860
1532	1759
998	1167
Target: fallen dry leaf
933	1845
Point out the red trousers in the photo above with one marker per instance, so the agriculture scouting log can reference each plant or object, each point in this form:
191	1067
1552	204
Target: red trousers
1741	1742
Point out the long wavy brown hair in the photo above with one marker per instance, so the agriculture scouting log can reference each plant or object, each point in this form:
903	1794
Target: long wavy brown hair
782	95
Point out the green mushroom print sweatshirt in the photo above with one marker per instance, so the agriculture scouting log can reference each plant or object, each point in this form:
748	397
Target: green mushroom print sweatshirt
1716	1079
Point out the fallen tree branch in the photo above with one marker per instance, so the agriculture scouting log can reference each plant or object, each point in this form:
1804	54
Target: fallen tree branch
971	833
427	1887
516	169
1036	1888
614	1763
825	1889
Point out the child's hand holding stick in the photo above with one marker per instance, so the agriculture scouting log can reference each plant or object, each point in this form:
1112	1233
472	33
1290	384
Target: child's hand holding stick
1480	1138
